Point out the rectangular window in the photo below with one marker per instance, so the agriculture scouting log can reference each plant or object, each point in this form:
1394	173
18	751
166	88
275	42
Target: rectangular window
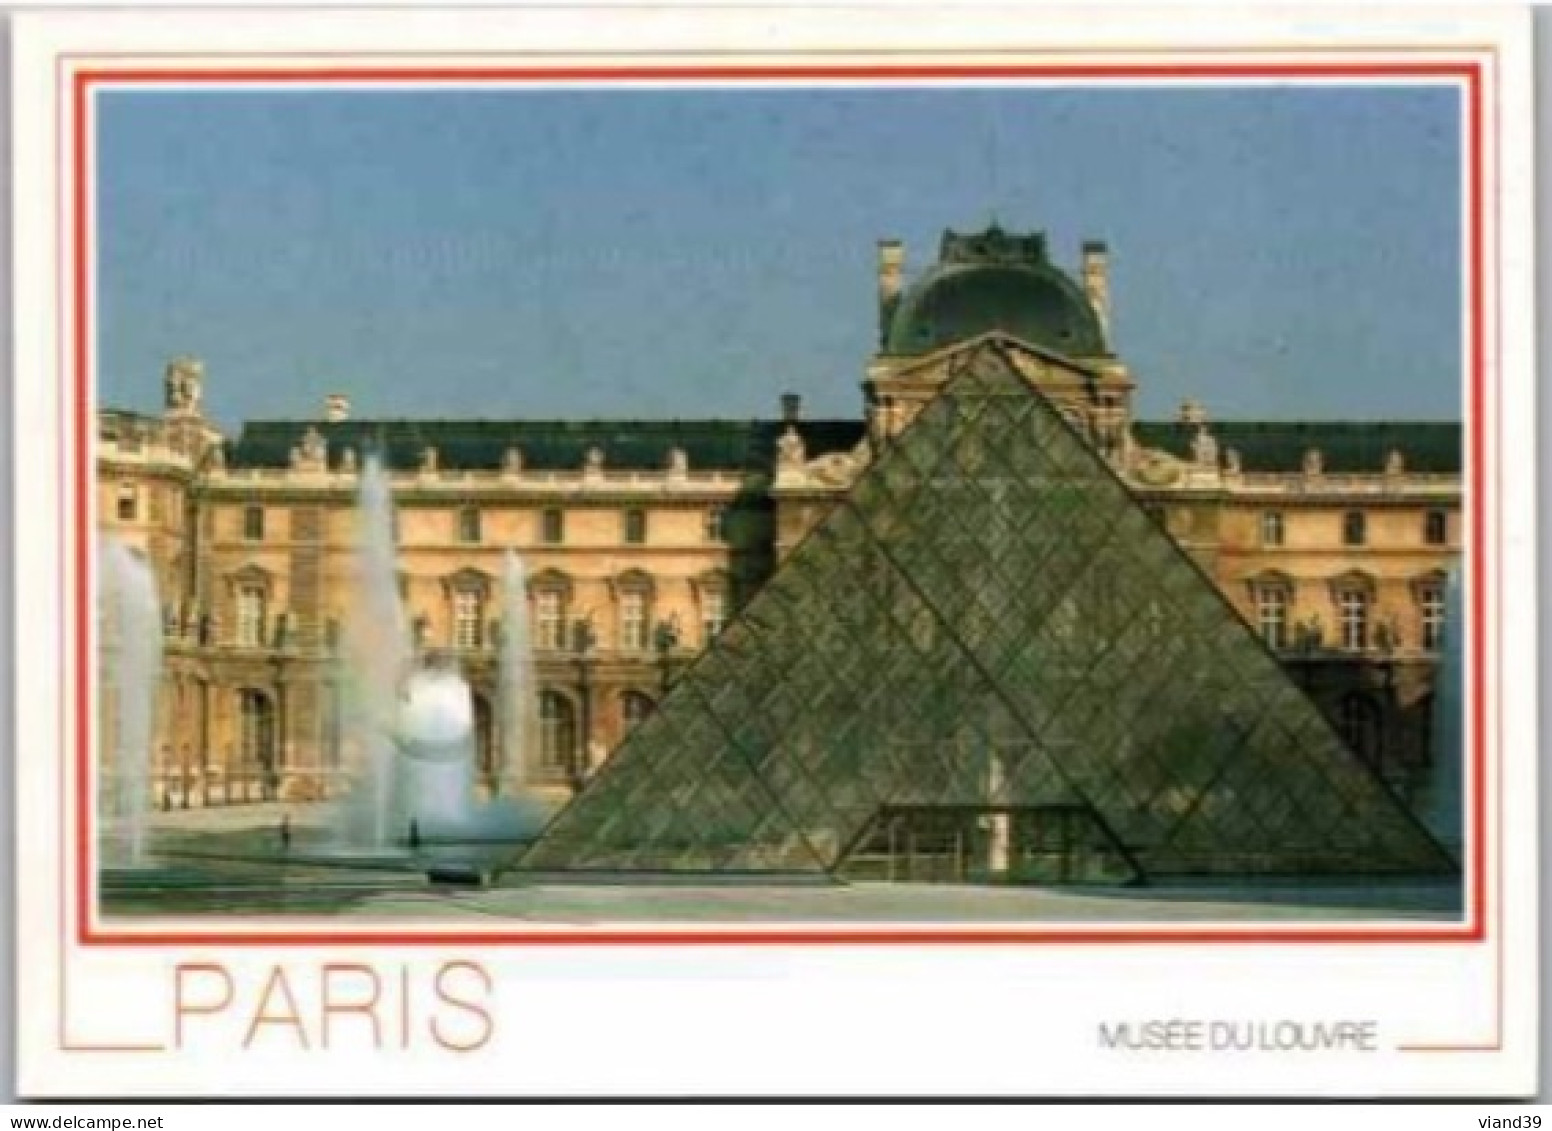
635	527
1272	528
1272	615
713	614
1433	618
633	622
250	617
548	619
467	616
469	524
128	503
552	527
1355	528
716	524
1436	528
1353	607
253	524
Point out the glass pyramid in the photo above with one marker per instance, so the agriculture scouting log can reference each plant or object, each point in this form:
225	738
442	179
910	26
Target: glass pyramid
987	663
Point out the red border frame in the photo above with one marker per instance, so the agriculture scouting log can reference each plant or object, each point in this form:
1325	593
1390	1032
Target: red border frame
1468	74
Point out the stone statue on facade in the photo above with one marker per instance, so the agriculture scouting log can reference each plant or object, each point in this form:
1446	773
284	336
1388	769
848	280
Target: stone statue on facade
1395	463
1204	449
428	459
1231	462
593	462
678	463
315	449
182	386
791	453
348	461
1314	462
512	461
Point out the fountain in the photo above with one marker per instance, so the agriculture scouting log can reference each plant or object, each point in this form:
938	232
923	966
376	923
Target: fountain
436	743
409	731
411	724
1442	806
378	655
517	714
131	650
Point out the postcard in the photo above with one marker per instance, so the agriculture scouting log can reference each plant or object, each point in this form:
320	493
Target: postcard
729	551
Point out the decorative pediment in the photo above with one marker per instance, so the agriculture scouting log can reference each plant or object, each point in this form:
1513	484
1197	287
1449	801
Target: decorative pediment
467	580
1435	580
1268	579
250	576
711	581
633	581
1354	581
1033	362
551	581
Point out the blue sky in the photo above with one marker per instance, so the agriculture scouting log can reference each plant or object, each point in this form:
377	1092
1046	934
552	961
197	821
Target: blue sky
1278	252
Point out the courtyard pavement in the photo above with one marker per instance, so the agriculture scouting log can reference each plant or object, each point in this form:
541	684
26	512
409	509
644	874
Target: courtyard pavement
227	861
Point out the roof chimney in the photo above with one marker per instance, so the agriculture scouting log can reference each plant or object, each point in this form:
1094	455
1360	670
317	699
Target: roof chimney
1096	280
891	269
336	407
791	408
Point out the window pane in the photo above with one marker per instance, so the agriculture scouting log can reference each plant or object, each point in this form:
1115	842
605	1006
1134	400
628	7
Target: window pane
549	619
250	617
633	622
635	527
467	617
713	614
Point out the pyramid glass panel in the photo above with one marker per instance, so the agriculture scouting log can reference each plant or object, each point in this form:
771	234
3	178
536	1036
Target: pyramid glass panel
987	663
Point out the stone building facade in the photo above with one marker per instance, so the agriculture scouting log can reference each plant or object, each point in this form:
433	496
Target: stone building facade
642	538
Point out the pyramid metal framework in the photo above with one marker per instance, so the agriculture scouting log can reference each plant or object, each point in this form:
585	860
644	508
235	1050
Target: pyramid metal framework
987	662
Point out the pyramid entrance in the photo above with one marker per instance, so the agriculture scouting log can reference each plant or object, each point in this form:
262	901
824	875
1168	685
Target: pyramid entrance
988	663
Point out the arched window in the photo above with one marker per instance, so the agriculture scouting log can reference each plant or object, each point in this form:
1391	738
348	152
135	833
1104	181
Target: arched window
466	592
1353	615
256	715
1273	599
557	731
551	591
634	708
251	612
1430	600
468	619
1363	728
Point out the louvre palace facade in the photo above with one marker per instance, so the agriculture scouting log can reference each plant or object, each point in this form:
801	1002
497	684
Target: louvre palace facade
644	541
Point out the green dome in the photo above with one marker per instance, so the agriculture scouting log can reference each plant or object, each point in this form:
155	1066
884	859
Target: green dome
993	281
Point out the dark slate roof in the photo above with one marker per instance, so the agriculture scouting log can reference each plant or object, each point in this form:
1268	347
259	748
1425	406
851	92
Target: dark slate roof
553	445
750	445
994	280
1346	447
